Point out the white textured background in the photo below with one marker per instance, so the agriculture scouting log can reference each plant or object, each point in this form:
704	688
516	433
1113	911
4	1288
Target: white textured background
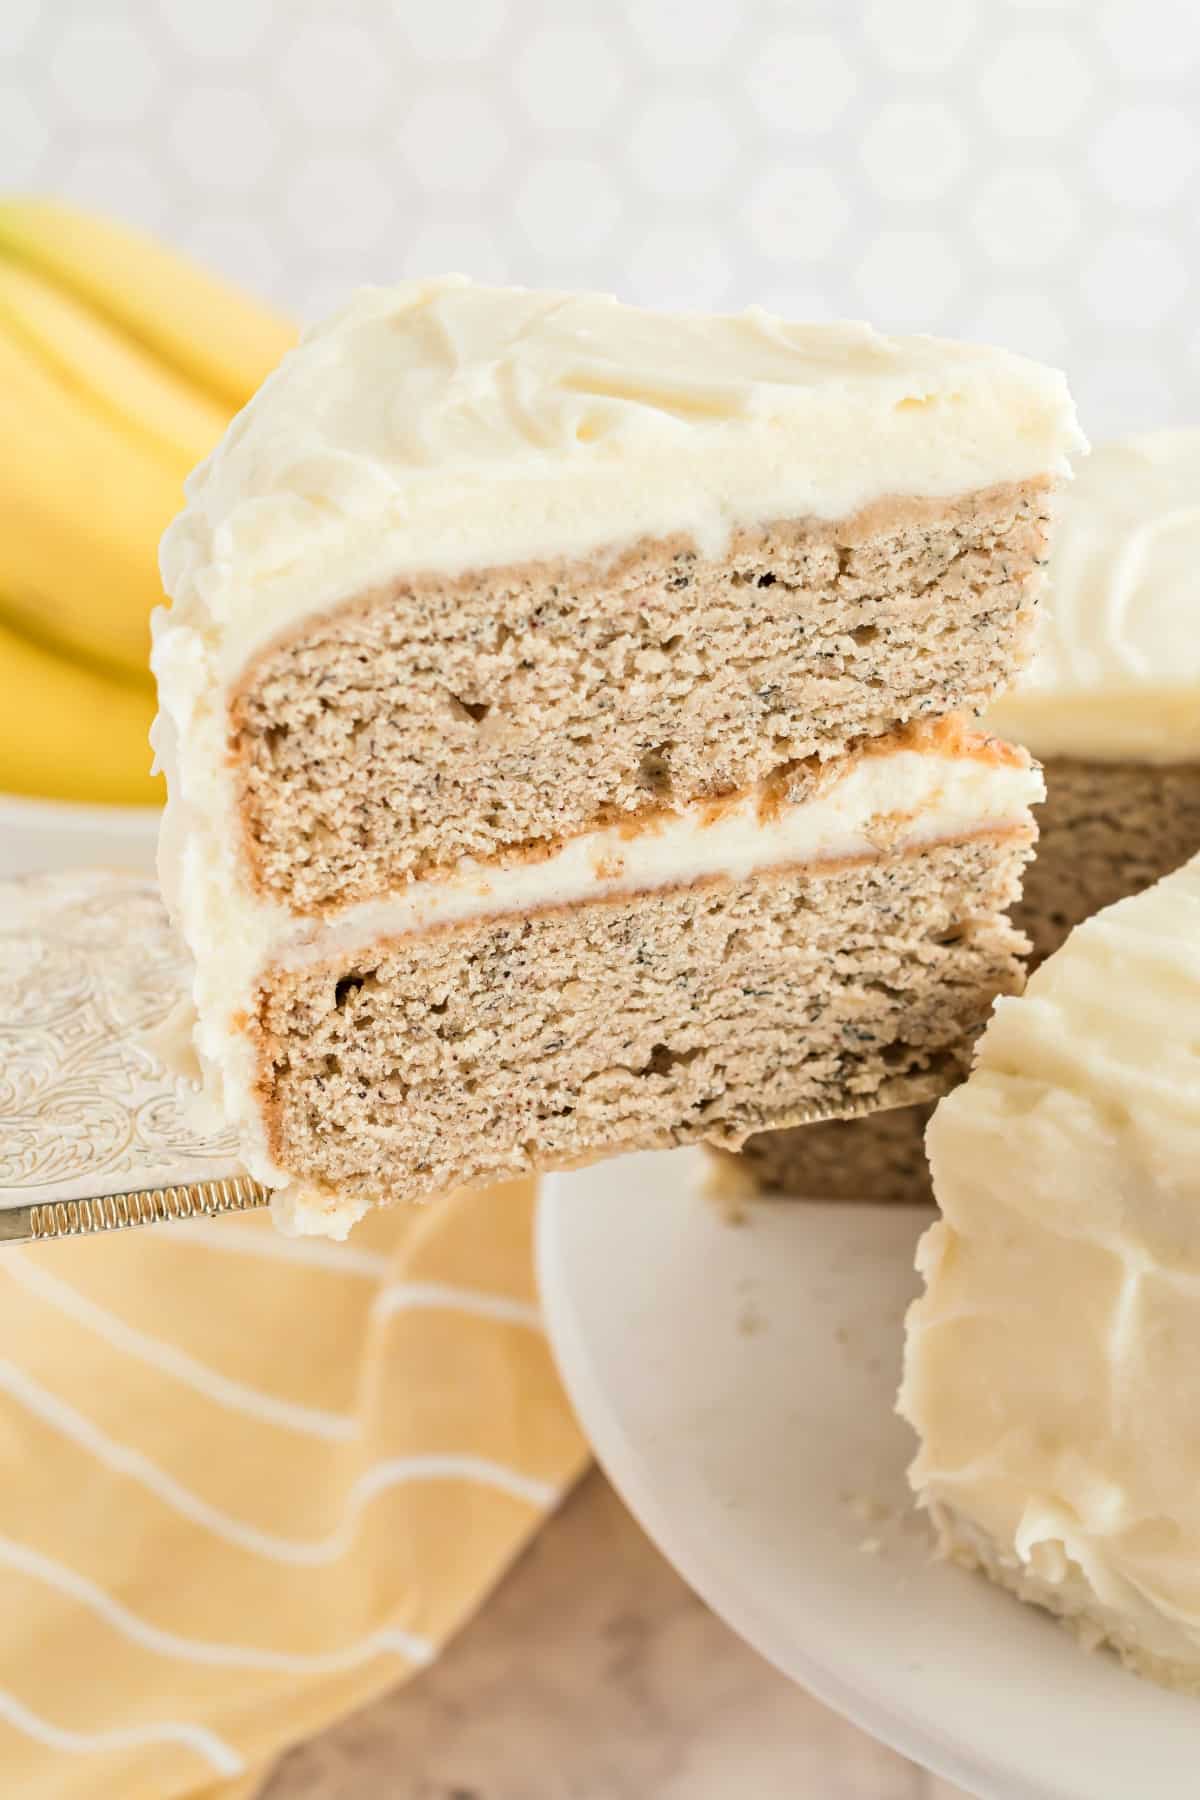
1024	171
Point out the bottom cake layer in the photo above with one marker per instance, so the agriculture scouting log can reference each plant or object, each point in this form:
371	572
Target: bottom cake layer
1105	831
1145	1641
536	1040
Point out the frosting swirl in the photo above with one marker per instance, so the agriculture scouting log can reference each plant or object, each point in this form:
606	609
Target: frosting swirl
441	425
1116	675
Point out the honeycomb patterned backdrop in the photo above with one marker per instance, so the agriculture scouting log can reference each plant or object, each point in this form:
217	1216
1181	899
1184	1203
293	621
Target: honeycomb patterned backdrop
1024	171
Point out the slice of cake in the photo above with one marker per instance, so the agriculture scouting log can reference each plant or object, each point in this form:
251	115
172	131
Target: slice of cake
1051	1364
545	706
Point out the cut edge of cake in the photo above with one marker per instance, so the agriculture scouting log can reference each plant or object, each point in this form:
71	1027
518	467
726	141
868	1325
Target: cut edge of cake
1111	707
873	900
542	700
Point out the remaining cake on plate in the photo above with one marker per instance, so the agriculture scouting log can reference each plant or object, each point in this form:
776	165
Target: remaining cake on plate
1050	1369
1111	706
549	705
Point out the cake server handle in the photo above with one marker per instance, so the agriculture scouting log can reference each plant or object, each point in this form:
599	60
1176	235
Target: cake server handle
34	1221
97	1132
902	1090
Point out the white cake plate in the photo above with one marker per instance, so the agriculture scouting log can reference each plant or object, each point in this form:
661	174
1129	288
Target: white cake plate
737	1382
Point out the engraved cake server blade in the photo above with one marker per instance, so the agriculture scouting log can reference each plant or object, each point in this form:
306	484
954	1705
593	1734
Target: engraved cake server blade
94	1132
94	1129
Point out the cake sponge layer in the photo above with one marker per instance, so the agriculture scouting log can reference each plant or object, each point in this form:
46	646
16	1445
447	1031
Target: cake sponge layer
443	426
638	1021
443	718
1106	831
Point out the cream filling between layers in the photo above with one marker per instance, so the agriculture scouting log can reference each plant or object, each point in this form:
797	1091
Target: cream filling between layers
877	803
883	802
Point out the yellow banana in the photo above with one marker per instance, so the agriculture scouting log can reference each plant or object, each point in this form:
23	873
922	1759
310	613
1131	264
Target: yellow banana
200	326
71	733
82	507
111	372
120	364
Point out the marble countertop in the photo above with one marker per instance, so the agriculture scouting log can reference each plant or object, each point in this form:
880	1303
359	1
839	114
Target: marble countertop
594	1673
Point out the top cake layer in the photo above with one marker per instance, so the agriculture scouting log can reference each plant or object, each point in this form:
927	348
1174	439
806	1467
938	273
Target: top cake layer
441	426
1116	675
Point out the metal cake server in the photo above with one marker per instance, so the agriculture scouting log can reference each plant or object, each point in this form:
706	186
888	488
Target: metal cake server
94	1128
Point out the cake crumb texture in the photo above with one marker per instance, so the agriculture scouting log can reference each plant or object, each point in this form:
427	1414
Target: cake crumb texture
1106	831
449	718
707	1012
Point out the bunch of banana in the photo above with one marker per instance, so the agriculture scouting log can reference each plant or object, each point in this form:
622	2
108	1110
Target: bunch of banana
120	366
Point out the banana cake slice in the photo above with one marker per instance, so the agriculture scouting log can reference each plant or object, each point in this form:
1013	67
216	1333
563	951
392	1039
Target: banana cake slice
555	703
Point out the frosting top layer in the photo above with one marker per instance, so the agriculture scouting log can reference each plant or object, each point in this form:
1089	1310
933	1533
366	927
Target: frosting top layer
442	425
1116	675
1052	1364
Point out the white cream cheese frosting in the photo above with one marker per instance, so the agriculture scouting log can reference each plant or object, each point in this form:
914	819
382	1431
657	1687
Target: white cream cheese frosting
1052	1367
879	801
1116	674
444	426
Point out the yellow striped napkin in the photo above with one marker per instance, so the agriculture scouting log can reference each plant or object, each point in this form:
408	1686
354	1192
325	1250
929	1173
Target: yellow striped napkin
247	1482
